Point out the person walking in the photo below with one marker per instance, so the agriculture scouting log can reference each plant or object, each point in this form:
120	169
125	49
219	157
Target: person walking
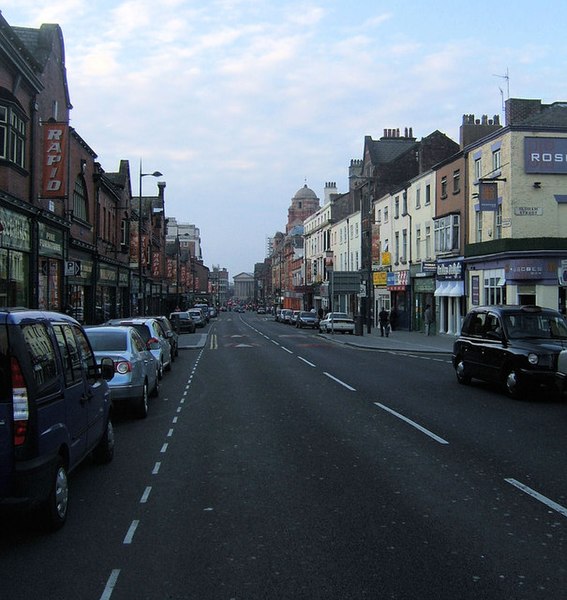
384	320
428	318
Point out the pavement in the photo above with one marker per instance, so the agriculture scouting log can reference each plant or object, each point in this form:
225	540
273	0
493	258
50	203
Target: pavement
398	340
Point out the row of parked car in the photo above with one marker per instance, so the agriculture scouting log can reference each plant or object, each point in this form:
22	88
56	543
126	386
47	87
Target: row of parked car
332	322
59	385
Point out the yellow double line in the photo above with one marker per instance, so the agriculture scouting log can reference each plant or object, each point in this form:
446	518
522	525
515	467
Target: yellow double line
213	342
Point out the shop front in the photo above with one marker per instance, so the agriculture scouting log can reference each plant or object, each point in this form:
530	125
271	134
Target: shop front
79	272
449	295
50	272
400	291
423	286
15	248
105	293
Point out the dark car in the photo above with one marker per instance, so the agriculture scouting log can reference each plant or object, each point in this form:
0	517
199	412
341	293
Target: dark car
515	346
182	322
54	409
307	319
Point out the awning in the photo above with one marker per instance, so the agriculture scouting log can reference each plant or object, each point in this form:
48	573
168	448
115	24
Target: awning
453	289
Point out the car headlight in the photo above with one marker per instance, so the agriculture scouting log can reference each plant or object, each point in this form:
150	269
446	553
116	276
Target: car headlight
533	359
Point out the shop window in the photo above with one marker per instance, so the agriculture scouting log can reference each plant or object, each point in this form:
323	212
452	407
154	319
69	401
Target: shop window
447	233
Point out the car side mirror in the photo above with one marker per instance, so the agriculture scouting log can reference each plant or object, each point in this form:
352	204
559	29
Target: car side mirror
107	368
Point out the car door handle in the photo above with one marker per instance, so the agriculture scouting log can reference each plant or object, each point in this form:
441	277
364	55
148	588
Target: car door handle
86	398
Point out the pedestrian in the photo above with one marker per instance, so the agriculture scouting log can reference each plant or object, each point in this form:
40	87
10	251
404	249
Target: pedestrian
384	320
428	318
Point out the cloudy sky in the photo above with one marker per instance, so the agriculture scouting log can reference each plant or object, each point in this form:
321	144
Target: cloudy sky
241	102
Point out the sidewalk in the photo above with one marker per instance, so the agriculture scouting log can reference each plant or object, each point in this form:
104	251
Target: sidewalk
406	341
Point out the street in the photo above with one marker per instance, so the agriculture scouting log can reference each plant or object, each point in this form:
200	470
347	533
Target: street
276	463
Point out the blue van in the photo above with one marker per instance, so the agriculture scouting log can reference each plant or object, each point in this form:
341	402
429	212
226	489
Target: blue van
54	409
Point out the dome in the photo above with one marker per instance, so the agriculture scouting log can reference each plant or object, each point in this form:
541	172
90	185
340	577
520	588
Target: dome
305	193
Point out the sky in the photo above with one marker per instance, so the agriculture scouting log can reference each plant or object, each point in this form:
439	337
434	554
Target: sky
240	103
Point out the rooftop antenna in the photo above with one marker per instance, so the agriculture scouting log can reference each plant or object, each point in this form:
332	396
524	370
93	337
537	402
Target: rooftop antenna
506	77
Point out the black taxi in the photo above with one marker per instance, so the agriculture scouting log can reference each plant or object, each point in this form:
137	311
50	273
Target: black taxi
516	346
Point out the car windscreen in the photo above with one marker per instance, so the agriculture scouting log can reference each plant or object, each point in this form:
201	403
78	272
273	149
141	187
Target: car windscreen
107	341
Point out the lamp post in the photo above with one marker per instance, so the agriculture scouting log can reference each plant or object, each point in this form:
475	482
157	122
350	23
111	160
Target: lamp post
142	287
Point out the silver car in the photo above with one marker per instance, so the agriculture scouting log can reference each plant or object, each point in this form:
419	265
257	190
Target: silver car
154	336
135	367
336	322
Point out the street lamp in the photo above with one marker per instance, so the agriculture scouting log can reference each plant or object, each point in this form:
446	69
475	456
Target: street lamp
142	288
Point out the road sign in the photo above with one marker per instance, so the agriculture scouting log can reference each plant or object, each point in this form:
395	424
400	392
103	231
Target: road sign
73	267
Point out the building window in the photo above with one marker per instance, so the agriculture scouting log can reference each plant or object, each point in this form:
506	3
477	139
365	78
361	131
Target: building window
443	187
385	214
418	198
494	290
477	169
456	181
12	135
418	243
404	204
396	207
397	247
447	233
404	245
478	226
80	199
427	194
498	222
496	160
428	241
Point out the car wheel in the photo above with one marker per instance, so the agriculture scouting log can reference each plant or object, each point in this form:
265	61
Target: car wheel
513	388
142	403
461	373
104	451
57	503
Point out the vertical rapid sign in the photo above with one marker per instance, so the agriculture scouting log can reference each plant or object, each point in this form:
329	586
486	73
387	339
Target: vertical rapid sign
54	182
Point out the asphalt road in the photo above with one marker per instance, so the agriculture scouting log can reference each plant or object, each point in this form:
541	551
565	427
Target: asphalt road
277	464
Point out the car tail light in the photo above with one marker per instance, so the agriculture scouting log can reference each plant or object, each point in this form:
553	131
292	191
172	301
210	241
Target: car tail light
123	367
19	402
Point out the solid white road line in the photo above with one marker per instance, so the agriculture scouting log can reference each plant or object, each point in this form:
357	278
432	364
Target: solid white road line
528	490
412	423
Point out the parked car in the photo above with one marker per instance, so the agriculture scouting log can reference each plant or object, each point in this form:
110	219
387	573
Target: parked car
335	322
153	335
135	367
212	312
183	322
277	314
197	315
204	308
294	317
285	316
55	409
261	310
171	335
307	319
515	346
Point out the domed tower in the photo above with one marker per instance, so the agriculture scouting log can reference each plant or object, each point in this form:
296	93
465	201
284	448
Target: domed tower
303	205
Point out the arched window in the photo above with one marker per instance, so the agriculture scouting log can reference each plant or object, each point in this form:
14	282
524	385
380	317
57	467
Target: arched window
80	199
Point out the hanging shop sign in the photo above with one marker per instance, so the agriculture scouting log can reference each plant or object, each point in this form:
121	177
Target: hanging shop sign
54	182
